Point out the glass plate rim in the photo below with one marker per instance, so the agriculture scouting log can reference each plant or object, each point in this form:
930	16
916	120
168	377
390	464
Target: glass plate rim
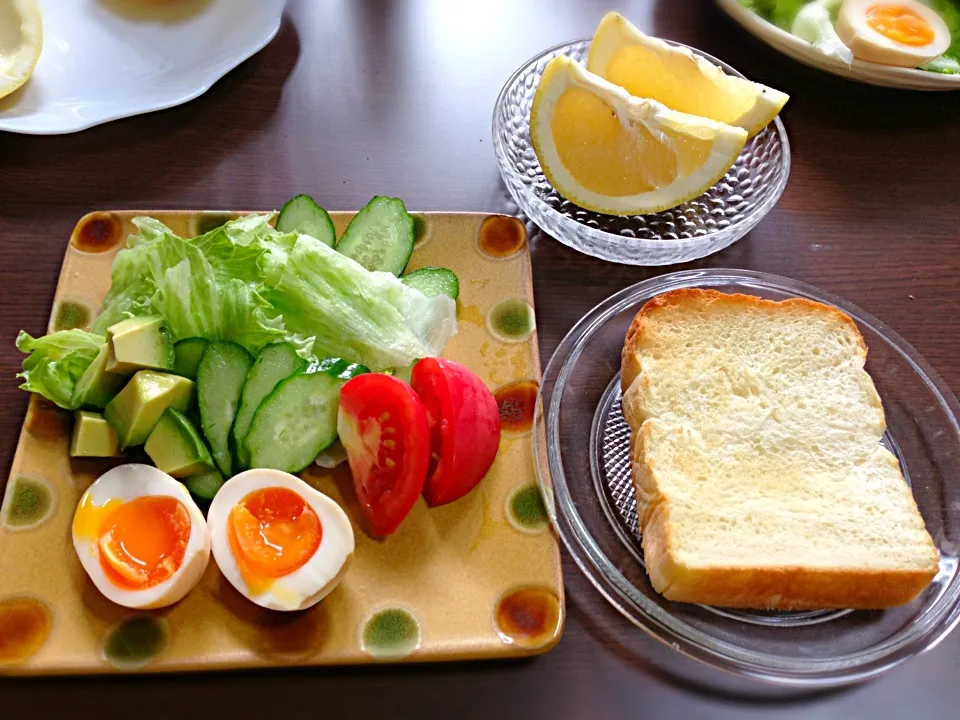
537	209
926	633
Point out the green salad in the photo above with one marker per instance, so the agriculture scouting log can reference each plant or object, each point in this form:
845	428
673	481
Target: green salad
815	21
228	350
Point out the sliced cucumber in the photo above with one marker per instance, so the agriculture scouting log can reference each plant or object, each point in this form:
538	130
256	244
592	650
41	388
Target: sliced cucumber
380	237
433	281
204	486
339	368
274	363
302	214
220	377
295	423
187	354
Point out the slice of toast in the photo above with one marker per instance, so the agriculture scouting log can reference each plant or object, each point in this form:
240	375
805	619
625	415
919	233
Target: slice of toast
760	479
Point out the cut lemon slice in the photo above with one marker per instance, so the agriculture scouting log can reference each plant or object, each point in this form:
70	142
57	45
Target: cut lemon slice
21	39
616	154
648	67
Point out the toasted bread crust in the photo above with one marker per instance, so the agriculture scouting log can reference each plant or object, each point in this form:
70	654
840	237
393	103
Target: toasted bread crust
629	360
775	587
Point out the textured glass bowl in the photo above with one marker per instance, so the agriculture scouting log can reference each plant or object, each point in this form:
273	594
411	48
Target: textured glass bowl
704	225
582	454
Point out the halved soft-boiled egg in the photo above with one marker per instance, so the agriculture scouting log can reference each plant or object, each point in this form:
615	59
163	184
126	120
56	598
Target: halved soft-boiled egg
905	33
278	541
140	537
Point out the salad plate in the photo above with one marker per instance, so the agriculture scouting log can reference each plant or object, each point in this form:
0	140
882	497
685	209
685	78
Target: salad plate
858	70
108	59
476	578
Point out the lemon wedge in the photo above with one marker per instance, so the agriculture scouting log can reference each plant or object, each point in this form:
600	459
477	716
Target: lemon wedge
21	39
648	67
616	154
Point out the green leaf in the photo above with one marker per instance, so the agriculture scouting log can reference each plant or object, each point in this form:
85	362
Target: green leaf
55	362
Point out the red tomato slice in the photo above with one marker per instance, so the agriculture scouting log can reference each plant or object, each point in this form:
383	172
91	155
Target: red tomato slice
464	428
383	427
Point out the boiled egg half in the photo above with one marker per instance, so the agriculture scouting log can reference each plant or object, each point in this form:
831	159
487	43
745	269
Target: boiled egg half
278	541
140	537
906	34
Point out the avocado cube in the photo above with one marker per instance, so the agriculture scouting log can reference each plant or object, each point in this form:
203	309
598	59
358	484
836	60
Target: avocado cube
136	409
93	437
96	387
176	447
139	343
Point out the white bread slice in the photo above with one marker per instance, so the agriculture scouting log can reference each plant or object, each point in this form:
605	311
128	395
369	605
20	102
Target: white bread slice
760	479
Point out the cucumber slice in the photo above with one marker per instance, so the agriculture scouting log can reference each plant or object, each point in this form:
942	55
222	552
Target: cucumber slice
433	281
295	423
220	377
187	354
339	368
204	486
274	363
302	214
380	237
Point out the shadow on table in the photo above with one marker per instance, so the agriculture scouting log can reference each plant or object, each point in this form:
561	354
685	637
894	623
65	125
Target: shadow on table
642	652
139	160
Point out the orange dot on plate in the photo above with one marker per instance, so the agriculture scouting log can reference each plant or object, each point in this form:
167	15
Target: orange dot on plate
528	617
501	236
97	232
24	628
516	402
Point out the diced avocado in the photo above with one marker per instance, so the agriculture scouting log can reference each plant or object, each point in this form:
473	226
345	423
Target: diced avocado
139	343
93	437
96	387
135	411
187	354
176	447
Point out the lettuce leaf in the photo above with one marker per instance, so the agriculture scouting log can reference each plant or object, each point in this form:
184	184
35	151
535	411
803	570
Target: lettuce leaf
779	12
949	62
370	317
250	284
55	363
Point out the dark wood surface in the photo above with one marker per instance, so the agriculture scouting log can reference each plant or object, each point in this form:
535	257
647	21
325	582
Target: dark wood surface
358	97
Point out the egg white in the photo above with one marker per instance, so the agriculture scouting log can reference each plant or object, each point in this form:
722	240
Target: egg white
872	46
310	583
128	482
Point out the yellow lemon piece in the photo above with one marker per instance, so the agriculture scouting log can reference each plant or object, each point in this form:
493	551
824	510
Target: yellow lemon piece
616	154
21	39
648	67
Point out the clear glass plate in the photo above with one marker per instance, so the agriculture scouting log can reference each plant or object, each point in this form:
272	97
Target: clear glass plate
582	453
704	225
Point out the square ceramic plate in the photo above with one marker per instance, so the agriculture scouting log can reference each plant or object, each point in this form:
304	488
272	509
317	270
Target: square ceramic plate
479	578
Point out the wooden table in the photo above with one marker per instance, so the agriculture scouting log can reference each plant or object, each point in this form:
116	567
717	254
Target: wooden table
359	97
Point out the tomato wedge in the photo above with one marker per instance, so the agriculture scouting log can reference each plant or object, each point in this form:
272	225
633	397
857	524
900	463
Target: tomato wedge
383	427
464	427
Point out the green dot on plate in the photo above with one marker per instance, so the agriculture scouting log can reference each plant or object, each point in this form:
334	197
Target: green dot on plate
211	221
135	642
391	633
512	320
71	315
30	501
526	509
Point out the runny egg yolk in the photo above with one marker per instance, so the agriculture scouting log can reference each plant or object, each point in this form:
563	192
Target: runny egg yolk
272	532
900	24
142	541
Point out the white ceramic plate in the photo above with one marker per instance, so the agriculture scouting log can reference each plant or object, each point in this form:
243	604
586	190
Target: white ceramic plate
865	72
109	59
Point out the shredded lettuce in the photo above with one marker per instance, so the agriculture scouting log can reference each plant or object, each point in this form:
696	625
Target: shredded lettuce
250	284
55	363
